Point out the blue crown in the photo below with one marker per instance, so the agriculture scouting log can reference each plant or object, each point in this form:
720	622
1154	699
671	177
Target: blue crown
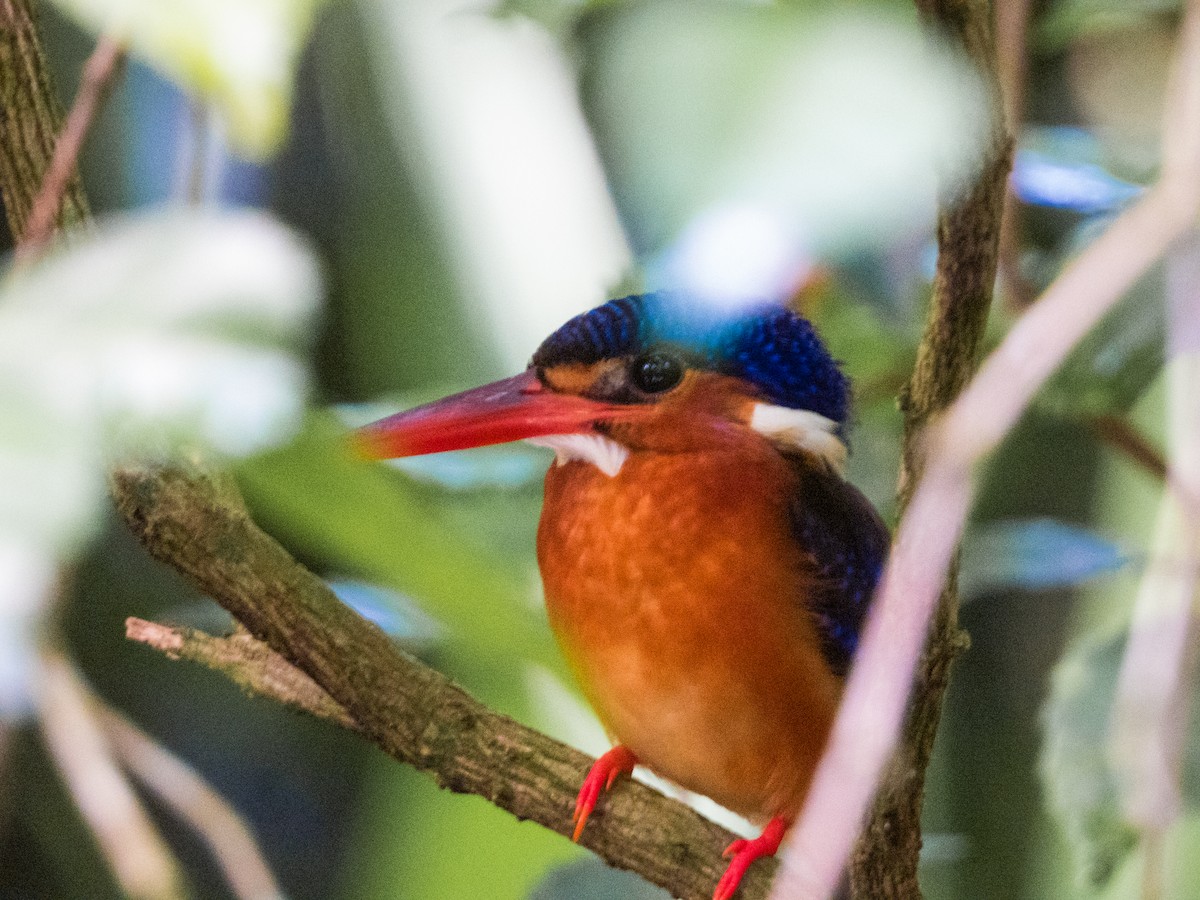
768	345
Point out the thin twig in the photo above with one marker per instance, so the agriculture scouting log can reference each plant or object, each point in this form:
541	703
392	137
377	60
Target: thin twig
140	860
887	855
98	75
1127	440
1012	58
878	688
194	801
248	662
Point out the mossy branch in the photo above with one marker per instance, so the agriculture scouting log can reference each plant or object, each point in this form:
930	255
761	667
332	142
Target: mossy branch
885	859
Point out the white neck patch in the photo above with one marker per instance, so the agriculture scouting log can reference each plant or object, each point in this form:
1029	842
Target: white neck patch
800	429
604	453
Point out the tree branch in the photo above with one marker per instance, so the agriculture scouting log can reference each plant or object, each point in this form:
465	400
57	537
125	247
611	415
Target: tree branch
869	720
248	663
190	520
29	121
885	859
98	73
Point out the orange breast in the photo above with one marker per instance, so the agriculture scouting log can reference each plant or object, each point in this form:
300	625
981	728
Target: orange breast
676	593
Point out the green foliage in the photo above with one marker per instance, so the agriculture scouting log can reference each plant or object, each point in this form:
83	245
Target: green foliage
240	54
1070	20
1114	365
1081	783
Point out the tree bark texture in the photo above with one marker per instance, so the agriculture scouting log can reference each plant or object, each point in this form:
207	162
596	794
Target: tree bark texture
884	864
30	117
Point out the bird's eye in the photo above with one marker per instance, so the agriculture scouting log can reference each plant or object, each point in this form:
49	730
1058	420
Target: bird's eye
656	371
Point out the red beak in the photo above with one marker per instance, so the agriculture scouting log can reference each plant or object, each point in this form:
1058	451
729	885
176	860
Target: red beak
509	410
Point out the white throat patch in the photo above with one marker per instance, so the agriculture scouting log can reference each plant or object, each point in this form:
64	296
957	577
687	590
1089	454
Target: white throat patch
604	453
800	429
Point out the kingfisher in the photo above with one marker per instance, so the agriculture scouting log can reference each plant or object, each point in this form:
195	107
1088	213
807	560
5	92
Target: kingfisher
706	565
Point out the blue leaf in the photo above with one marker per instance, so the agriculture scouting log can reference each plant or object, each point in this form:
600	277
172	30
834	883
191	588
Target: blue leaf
1042	180
392	611
590	879
511	466
1033	554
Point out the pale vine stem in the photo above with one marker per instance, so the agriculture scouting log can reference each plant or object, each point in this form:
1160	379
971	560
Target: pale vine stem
1154	687
877	693
41	190
141	862
194	801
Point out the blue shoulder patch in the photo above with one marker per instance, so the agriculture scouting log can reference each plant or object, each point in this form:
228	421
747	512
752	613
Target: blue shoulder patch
768	345
847	544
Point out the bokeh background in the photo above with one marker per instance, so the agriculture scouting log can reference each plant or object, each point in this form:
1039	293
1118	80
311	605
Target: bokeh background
467	177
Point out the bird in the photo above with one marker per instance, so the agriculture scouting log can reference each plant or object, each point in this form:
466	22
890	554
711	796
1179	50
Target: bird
706	565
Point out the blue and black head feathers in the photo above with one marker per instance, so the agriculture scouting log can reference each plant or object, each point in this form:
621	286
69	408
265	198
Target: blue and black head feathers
767	345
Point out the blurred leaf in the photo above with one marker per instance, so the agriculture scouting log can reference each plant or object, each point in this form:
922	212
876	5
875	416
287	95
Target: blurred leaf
869	345
147	331
835	123
1117	361
558	17
239	54
393	612
591	879
370	521
1060	168
1080	785
1033	554
1067	20
1179	876
1080	788
162	328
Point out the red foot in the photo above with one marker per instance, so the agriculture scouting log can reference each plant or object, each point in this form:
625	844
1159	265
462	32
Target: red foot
745	852
619	760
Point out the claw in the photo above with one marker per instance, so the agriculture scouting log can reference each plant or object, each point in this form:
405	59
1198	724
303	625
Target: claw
617	761
744	852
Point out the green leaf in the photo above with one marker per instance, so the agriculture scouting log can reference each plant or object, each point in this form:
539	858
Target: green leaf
1081	787
1067	20
1118	360
1033	554
241	55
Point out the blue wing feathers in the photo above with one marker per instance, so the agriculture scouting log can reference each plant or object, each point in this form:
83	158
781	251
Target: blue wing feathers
847	544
